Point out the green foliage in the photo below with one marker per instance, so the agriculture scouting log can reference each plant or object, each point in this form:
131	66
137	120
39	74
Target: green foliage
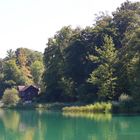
126	18
104	76
113	65
129	77
127	21
37	69
10	97
11	71
96	108
54	59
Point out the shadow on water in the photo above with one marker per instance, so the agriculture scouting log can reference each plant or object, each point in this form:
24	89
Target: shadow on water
41	125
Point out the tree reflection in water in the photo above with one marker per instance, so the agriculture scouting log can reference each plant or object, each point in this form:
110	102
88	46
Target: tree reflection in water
42	125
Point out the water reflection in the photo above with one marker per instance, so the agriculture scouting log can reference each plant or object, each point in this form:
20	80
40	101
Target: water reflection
20	125
91	116
41	125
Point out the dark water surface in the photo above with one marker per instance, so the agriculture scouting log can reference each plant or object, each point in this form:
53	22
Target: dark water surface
41	125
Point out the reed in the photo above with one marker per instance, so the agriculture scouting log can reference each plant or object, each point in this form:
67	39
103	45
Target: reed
95	108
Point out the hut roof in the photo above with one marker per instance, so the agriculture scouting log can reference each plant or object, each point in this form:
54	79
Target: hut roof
24	88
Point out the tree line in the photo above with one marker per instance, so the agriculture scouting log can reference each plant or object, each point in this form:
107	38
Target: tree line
100	62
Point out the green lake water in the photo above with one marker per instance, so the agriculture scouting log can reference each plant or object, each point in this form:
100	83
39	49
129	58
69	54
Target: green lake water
41	125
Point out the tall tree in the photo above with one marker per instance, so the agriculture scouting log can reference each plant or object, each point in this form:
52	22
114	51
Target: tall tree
126	19
132	64
21	60
104	76
54	60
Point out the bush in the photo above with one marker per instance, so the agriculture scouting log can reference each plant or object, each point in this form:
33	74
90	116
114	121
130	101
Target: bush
124	98
10	97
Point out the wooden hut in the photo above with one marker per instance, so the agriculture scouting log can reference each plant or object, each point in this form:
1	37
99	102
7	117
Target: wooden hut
28	93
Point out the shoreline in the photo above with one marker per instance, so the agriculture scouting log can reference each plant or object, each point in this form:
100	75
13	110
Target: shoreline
73	108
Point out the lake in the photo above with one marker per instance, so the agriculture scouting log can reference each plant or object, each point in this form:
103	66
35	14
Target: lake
41	125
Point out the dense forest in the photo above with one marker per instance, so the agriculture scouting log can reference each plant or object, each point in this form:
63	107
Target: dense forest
98	63
101	62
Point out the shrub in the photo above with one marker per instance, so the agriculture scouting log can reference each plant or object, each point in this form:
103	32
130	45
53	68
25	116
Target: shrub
10	97
124	98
